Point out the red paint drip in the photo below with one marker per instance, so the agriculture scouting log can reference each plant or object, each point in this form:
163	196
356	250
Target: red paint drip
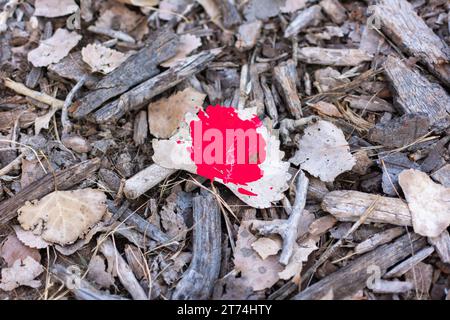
226	147
246	192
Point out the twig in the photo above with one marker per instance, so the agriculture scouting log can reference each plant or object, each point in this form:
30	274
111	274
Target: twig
67	125
39	96
120	35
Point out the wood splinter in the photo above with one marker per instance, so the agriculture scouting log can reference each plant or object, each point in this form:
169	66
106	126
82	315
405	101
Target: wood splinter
199	279
288	229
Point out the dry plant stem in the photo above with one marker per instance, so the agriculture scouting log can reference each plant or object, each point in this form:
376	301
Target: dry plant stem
60	180
288	229
199	279
408	264
39	96
80	287
123	270
10	166
137	68
146	179
143	226
353	277
143	93
115	34
67	125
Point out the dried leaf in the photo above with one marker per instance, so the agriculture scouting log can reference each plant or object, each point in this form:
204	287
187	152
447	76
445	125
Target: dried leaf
102	59
63	216
327	109
324	152
98	274
255	272
301	253
53	49
31	171
188	43
29	239
22	273
260	191
266	247
43	121
12	250
166	114
428	202
54	8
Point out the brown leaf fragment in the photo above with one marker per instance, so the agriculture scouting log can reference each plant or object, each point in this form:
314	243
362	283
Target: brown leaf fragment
327	109
266	247
421	275
335	10
428	201
12	249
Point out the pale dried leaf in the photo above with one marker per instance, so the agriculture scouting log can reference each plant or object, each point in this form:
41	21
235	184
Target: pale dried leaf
324	152
266	247
43	121
166	114
98	274
102	59
327	109
54	8
53	49
63	216
429	202
255	272
188	43
12	249
174	154
22	273
301	253
29	239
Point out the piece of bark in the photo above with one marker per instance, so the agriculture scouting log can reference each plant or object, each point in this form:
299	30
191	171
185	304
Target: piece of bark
198	281
392	165
333	57
140	131
146	179
400	132
414	93
269	101
137	68
348	205
143	93
230	14
407	30
378	239
369	103
335	10
73	68
289	229
123	270
441	244
443	175
285	76
248	35
321	225
110	179
8	118
436	157
353	277
308	17
409	263
60	180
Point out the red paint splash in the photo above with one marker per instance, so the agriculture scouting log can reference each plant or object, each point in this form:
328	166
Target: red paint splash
226	147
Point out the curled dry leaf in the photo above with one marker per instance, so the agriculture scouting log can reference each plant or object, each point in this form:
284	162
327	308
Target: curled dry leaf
12	250
231	147
188	43
256	272
266	247
301	253
29	239
54	8
166	114
102	59
63	216
324	152
22	273
53	49
429	202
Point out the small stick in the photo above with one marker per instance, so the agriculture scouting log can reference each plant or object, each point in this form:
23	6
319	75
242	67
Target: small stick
146	179
39	96
67	125
112	33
